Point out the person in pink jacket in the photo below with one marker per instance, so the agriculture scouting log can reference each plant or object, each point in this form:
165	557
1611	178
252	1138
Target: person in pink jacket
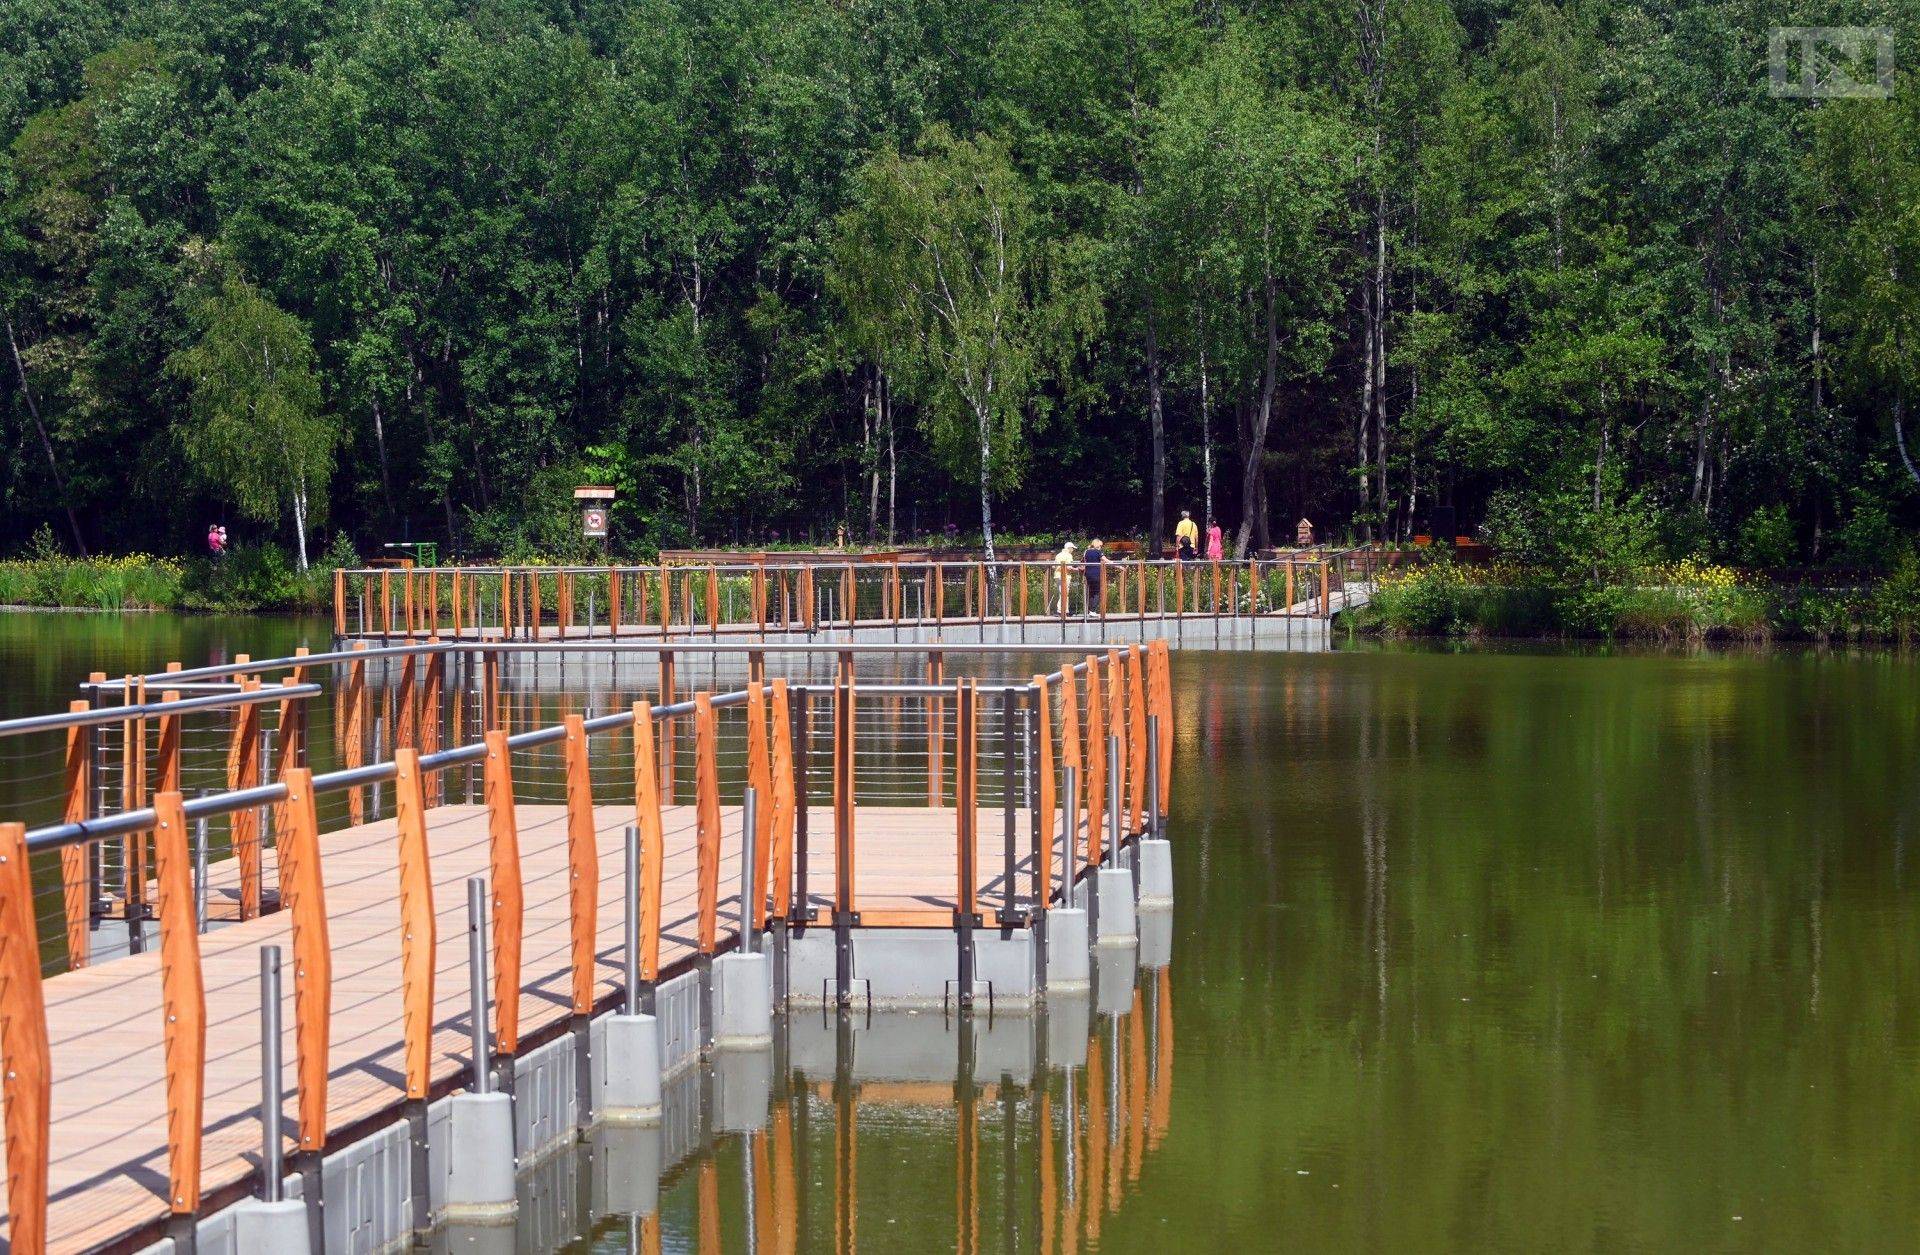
1215	551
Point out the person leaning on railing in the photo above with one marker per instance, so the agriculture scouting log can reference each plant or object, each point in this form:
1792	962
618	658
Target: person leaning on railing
1095	560
1063	568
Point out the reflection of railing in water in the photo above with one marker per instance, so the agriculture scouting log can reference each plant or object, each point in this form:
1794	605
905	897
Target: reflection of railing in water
535	603
1031	1138
209	1126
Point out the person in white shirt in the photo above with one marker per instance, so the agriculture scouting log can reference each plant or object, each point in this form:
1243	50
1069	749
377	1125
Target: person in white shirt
1063	571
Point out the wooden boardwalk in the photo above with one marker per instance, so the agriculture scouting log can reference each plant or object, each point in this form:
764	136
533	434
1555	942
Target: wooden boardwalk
108	1131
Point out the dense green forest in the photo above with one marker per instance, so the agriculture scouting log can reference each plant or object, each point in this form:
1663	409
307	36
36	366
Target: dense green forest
1573	272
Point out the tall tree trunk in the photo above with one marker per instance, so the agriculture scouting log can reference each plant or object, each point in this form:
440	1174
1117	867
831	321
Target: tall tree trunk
1380	357
300	521
1361	460
380	448
870	450
893	464
46	443
1900	431
1251	484
1156	419
1206	423
986	481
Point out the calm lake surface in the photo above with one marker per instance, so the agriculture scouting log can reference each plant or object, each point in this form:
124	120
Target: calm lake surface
1484	950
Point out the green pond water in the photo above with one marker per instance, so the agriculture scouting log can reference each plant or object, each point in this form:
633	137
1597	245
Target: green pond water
1516	950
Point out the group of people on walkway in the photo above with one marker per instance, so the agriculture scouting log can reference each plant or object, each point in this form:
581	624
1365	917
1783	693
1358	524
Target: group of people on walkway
1186	539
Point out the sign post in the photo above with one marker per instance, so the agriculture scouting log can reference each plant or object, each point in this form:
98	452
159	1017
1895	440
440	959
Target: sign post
596	502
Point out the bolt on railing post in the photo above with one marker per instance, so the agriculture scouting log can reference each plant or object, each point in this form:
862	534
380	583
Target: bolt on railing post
272	1091
477	983
631	923
1154	817
749	814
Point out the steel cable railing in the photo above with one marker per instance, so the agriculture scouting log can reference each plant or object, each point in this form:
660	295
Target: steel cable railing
697	758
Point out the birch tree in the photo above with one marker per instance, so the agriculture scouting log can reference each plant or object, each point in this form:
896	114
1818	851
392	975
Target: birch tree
255	430
950	257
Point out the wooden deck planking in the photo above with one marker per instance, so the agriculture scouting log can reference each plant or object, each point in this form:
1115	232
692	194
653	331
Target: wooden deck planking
108	1157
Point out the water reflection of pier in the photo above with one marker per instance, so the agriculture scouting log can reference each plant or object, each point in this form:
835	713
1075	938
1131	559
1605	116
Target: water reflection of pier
1018	1132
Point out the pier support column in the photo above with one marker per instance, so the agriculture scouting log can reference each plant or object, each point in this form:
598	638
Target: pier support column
479	1167
1067	964
1156	874
627	1072
276	1228
742	1009
1115	926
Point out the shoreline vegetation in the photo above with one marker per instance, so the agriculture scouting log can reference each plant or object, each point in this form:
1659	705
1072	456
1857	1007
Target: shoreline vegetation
250	578
1689	600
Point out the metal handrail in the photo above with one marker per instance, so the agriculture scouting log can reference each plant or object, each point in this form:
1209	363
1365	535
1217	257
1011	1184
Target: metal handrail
208	806
120	714
633	645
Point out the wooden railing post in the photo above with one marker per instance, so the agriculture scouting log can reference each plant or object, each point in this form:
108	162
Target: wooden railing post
26	1083
760	780
1070	747
936	730
339	602
1096	766
406	729
243	772
646	814
1136	739
184	1002
428	737
583	865
666	729
76	895
781	874
509	895
1046	796
353	740
419	939
966	809
706	820
844	698
303	897
290	732
1116	712
713	599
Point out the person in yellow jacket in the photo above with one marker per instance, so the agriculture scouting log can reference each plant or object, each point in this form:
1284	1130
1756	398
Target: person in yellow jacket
1186	536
